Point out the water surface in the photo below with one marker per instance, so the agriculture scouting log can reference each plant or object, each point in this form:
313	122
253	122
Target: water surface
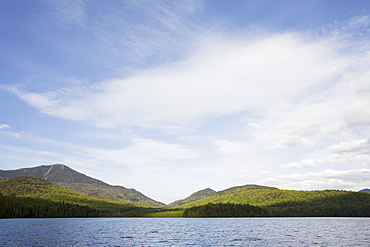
185	232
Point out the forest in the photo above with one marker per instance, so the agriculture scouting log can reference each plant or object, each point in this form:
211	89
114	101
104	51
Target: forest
38	197
211	210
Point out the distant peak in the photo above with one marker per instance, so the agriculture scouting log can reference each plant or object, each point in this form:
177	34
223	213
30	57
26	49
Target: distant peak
365	190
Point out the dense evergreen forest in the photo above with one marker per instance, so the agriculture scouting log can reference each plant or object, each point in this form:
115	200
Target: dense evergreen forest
27	207
225	210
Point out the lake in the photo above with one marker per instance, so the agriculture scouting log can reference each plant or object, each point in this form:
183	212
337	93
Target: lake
185	232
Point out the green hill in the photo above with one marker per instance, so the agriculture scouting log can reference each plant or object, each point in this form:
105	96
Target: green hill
248	194
290	202
37	197
76	181
193	197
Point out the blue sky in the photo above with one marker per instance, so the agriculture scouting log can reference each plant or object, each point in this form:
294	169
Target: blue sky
170	97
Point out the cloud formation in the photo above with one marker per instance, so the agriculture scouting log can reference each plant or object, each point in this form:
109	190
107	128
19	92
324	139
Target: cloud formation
361	146
222	77
142	152
327	179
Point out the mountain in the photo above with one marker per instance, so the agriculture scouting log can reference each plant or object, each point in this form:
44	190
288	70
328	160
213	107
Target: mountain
71	179
194	197
38	197
283	202
213	196
25	196
365	190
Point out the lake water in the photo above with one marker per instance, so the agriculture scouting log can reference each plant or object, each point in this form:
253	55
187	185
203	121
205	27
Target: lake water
185	232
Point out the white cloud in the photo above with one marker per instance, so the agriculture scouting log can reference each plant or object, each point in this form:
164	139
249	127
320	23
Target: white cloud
355	179
361	146
337	110
352	152
142	152
302	164
349	158
4	126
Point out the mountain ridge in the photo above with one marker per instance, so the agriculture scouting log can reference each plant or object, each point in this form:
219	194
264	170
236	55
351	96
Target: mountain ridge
205	193
270	201
286	200
34	196
66	177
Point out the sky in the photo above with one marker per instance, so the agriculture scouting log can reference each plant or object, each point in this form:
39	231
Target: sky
171	97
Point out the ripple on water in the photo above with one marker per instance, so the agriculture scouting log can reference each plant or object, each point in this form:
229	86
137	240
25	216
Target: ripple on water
186	232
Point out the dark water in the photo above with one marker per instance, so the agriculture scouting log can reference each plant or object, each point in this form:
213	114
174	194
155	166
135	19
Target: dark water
186	232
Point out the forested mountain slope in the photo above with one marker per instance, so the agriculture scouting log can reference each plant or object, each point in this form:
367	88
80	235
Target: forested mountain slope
194	197
76	181
290	202
231	195
37	197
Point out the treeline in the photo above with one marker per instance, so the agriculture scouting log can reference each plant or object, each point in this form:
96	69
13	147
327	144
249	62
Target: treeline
23	207
225	210
343	205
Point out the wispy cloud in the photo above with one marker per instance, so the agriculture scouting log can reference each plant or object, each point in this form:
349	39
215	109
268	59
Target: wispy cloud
145	35
142	152
68	13
221	78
